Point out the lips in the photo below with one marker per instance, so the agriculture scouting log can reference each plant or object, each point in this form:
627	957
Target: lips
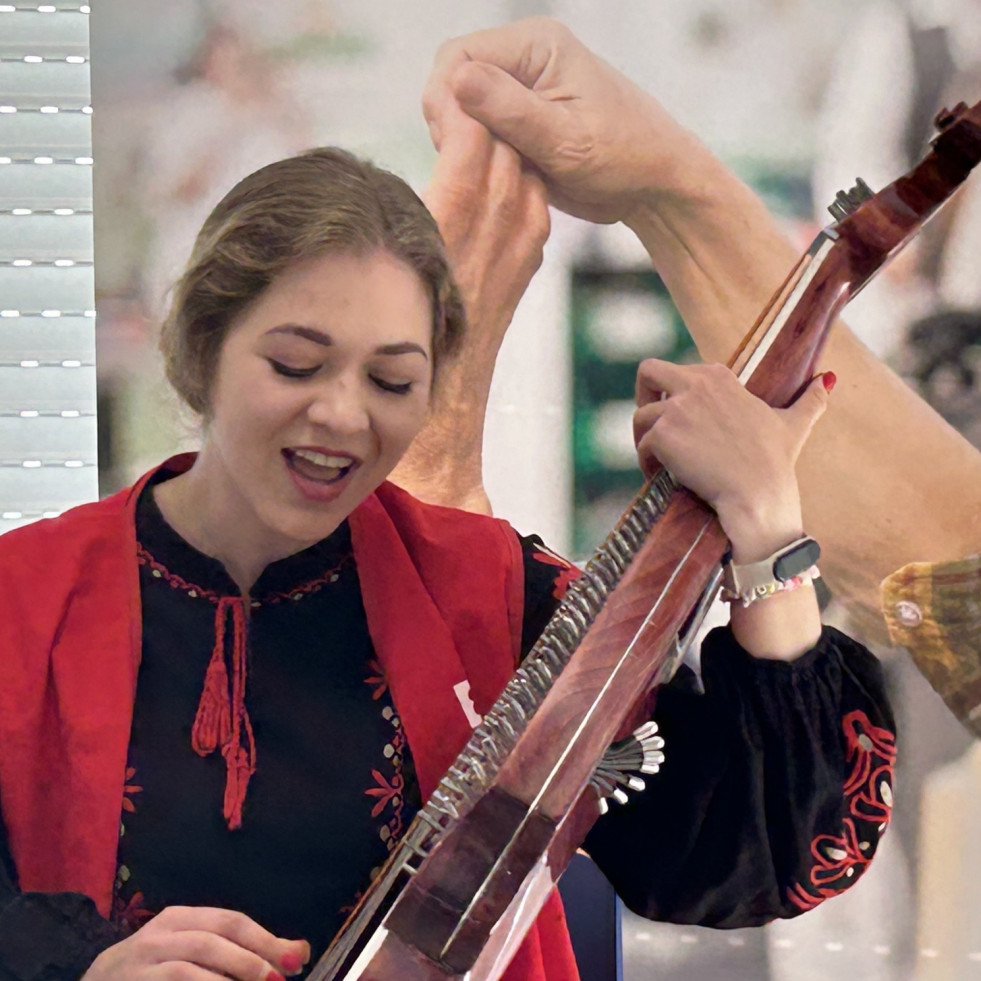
320	465
319	473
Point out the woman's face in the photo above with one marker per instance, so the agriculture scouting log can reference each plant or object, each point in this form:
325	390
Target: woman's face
320	387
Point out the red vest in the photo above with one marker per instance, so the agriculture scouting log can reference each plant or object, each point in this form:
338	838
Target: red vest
70	649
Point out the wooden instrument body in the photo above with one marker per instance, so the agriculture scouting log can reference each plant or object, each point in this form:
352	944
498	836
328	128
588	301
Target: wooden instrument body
479	888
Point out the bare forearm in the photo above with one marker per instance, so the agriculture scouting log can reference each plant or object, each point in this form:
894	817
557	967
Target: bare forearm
444	464
493	216
884	479
717	248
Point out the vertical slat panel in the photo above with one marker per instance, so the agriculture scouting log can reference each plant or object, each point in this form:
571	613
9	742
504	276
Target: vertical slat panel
47	316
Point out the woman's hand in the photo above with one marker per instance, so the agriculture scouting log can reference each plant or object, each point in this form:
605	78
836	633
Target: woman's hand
184	943
728	447
737	454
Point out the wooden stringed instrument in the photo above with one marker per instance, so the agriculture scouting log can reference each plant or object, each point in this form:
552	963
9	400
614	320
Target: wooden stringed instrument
474	868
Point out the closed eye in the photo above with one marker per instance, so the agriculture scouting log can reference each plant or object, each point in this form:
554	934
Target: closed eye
402	388
289	372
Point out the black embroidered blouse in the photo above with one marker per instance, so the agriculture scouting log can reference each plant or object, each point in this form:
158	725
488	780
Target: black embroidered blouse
776	788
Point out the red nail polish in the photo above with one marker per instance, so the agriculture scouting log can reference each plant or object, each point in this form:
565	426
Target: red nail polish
291	963
829	379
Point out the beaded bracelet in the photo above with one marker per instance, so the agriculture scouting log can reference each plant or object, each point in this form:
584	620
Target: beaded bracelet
769	589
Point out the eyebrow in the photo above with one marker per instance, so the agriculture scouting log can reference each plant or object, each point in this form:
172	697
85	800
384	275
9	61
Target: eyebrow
323	338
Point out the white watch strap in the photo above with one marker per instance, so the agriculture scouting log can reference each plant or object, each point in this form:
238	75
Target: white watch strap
759	578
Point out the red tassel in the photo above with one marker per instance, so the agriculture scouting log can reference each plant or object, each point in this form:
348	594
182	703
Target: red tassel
221	714
212	724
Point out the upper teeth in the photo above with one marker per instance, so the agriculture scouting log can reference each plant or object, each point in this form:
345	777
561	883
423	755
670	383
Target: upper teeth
322	460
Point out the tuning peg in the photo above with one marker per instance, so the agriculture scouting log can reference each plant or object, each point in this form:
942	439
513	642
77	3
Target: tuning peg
946	117
846	202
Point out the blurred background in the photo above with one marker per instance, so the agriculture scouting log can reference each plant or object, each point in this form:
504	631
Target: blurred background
800	97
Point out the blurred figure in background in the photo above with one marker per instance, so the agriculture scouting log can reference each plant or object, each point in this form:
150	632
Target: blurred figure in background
225	117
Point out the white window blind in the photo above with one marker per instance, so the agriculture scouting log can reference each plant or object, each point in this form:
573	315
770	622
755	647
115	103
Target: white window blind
47	316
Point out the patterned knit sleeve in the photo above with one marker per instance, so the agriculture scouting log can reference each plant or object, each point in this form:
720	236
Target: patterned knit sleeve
777	784
934	611
47	936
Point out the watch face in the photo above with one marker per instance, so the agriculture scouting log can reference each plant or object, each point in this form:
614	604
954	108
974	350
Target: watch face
796	560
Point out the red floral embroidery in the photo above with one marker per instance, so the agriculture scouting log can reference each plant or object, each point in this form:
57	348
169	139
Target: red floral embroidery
129	789
387	791
348	908
840	859
568	574
376	681
872	753
130	914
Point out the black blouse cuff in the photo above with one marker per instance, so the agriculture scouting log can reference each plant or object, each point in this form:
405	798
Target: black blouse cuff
722	653
52	937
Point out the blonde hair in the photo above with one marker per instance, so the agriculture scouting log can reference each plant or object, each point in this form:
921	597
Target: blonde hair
320	202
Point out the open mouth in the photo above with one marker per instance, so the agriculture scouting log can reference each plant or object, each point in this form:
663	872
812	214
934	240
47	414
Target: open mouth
322	468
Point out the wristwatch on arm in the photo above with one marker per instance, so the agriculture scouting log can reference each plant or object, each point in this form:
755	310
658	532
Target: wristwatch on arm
787	568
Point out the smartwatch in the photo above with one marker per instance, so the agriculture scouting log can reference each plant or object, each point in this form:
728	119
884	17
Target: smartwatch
769	574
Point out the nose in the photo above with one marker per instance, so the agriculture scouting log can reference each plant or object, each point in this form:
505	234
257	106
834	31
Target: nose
339	406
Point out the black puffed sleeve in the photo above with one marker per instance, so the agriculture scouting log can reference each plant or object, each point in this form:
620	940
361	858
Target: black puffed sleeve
47	936
776	788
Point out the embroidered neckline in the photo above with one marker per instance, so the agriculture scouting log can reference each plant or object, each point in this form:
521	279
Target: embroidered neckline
162	550
159	571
